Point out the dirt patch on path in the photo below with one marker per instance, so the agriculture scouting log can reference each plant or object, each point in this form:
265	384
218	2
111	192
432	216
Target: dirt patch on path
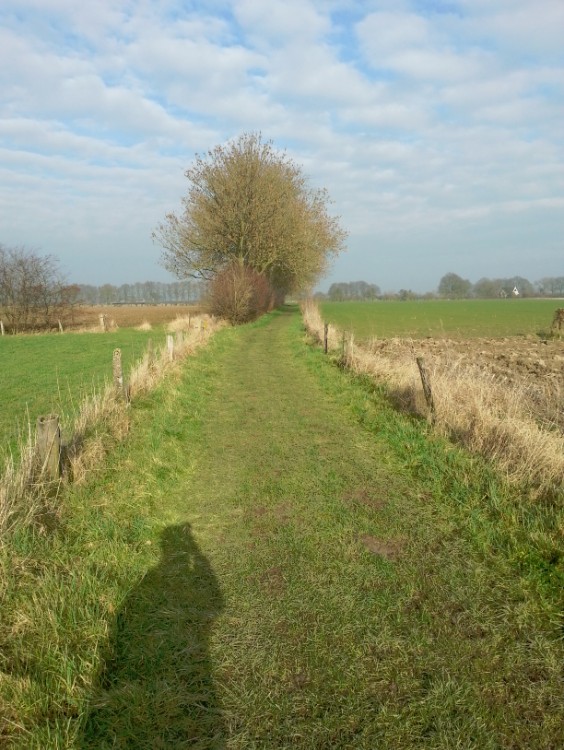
389	549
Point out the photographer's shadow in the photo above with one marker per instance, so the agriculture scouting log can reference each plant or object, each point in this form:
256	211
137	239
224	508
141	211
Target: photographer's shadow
156	689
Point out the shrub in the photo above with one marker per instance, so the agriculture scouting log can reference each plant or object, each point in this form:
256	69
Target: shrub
240	294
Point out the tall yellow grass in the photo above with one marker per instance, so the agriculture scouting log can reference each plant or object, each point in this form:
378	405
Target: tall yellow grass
507	423
102	419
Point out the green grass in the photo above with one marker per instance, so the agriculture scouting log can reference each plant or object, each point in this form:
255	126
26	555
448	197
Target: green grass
277	559
51	373
439	318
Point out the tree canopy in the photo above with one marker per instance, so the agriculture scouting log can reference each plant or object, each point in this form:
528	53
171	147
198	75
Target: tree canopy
248	203
353	290
453	286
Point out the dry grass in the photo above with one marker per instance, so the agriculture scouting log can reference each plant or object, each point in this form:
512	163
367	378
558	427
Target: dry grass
130	316
102	419
192	321
506	422
15	487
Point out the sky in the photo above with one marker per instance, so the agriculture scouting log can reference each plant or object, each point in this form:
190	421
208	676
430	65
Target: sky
437	127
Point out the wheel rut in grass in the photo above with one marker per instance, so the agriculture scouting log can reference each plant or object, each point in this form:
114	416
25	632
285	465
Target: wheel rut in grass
275	437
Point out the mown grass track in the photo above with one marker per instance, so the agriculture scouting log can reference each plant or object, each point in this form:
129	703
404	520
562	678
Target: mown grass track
327	577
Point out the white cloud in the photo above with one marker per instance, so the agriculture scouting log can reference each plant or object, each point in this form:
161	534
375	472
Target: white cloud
525	27
278	22
427	126
383	34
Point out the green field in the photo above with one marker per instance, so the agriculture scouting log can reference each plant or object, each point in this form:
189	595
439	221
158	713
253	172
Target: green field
275	558
439	318
51	373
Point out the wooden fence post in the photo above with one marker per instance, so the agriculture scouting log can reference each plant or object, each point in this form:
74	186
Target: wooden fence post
343	345
48	442
325	337
170	346
103	323
119	383
425	380
2	327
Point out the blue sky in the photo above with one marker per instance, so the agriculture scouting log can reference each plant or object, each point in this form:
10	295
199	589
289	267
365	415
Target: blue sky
437	127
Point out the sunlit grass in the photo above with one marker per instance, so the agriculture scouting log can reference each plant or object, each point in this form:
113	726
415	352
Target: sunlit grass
278	559
455	318
52	373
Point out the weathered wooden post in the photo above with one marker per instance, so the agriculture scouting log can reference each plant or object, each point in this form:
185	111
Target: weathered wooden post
48	442
343	345
103	323
119	384
326	337
2	327
170	346
425	380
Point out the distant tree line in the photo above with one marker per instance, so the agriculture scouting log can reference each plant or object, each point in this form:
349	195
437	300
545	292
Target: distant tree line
453	286
35	296
353	290
148	292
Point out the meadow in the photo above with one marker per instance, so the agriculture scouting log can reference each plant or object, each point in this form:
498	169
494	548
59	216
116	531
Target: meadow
443	318
52	373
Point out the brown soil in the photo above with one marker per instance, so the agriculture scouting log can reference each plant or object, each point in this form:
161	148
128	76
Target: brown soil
512	360
389	549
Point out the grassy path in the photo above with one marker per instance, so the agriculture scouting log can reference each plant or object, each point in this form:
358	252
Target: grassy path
309	571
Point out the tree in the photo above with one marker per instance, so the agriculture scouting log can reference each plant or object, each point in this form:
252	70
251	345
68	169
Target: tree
248	203
454	287
486	288
406	294
107	294
524	286
88	294
353	290
338	291
32	291
551	286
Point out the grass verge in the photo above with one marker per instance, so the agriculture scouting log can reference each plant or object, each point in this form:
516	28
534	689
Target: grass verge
517	426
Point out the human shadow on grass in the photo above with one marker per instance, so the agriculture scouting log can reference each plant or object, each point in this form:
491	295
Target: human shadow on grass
156	689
